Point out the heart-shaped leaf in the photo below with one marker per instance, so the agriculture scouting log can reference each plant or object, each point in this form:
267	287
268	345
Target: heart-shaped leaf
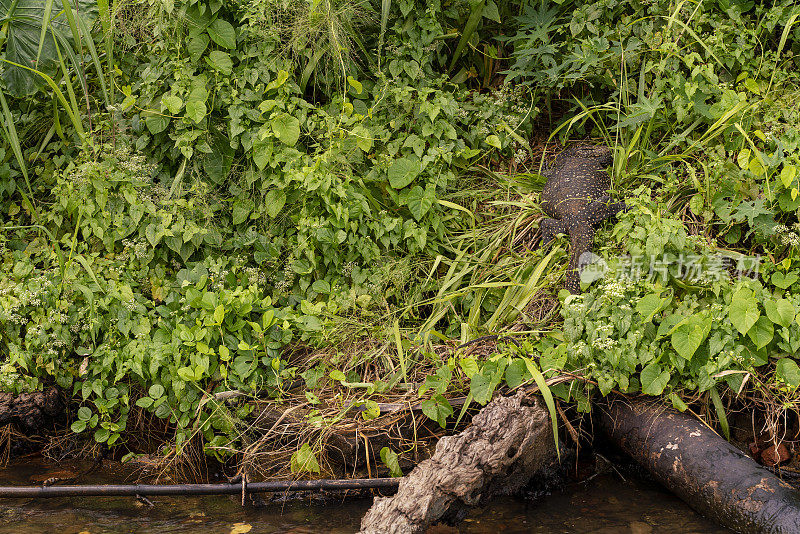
222	33
654	379
784	281
286	128
761	332
743	311
403	171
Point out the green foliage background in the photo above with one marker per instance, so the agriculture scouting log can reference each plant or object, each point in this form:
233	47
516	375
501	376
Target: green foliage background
194	190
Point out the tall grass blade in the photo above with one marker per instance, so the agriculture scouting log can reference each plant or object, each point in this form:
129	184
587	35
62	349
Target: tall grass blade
472	23
108	42
95	61
61	98
65	73
386	7
720	409
10	133
400	352
547	395
48	10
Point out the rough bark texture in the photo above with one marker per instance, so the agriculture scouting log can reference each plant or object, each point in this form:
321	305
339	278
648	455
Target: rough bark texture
30	411
509	441
711	475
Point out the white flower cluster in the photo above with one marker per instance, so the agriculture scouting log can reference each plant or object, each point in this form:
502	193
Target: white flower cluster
255	275
347	268
603	343
790	239
134	164
614	288
283	286
136	246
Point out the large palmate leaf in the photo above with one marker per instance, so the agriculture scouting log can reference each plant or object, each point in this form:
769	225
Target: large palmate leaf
25	34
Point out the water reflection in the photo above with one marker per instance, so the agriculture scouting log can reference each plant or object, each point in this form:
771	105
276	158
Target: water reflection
606	504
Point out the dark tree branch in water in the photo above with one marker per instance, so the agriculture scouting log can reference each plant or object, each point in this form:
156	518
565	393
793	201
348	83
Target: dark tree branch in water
117	490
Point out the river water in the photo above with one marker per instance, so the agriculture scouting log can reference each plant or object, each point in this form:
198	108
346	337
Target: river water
605	504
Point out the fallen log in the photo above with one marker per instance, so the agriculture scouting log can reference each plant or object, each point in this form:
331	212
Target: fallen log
30	411
509	441
711	475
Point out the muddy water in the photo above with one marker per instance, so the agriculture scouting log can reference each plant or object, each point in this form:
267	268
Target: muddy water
605	504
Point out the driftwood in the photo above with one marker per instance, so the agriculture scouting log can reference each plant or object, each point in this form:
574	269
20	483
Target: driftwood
711	475
509	441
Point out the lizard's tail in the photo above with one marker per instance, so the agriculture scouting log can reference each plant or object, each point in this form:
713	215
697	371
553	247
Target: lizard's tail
581	241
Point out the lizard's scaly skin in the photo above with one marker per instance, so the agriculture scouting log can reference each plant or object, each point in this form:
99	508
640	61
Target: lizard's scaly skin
576	198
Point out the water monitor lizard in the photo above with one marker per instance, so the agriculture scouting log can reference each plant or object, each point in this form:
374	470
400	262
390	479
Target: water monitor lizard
576	199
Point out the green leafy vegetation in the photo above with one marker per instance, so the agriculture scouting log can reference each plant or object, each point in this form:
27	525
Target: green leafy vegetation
216	208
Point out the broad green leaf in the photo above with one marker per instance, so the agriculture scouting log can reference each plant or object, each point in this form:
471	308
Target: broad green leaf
761	332
222	33
469	366
355	84
22	29
172	103
196	46
186	373
78	426
516	373
242	208
243	365
274	201
494	141
219	314
144	402
686	339
279	80
696	204
321	286
743	159
196	110
654	379
262	152
220	61
490	11
419	201
677	402
363	138
403	171
788	174
780	312
336	374
743	311
786	369
371	410
438	409
391	460
784	281
156	123
304	460
481	388
286	128
649	305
